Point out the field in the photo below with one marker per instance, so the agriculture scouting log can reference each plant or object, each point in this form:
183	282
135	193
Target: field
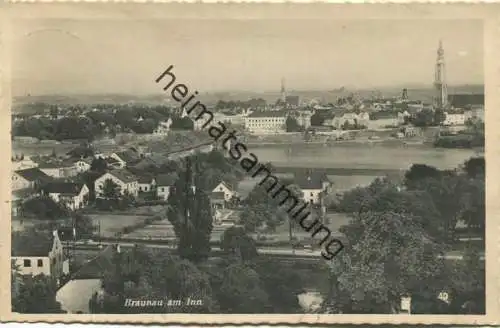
112	224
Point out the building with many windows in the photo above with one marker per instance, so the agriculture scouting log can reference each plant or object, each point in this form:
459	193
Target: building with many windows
266	122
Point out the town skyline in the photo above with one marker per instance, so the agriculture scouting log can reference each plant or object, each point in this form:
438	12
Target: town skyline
402	54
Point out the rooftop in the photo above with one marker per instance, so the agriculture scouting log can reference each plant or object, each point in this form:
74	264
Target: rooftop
33	174
39	244
313	180
166	179
124	175
277	113
65	188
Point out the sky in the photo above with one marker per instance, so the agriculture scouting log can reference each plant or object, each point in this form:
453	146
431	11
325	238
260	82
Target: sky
126	56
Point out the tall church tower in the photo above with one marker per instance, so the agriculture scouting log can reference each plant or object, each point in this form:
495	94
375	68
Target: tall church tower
441	96
283	92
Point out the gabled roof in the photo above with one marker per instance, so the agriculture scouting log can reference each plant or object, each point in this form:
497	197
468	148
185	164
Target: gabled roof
33	174
96	267
165	179
312	180
124	175
39	244
145	179
111	160
65	188
227	184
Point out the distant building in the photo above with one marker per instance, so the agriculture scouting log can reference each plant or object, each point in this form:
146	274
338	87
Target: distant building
28	178
127	157
58	169
73	195
454	119
163	184
39	254
146	183
292	101
464	100
123	178
266	122
227	190
22	164
163	127
313	185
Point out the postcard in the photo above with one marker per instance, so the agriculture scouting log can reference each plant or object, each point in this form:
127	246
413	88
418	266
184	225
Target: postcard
250	163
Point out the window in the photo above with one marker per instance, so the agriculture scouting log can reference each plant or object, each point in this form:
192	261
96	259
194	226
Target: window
162	189
39	263
312	194
27	263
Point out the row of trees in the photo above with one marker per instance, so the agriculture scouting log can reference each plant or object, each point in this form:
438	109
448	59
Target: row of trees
97	123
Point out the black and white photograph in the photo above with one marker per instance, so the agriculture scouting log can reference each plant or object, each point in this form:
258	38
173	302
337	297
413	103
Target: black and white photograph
275	164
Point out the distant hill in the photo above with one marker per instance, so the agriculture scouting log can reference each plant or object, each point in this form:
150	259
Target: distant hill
424	93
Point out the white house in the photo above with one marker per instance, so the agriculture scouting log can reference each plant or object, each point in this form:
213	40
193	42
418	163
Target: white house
454	119
266	122
163	127
58	169
146	183
403	116
28	178
127	157
73	195
83	165
39	254
313	186
22	164
123	178
224	188
163	184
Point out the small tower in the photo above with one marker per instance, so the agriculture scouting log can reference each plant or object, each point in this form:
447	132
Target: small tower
283	92
441	92
404	95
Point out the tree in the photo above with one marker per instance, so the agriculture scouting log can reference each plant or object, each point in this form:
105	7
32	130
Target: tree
240	290
110	190
36	294
418	172
292	125
43	207
98	165
439	116
423	118
190	213
83	226
317	119
388	256
236	242
475	167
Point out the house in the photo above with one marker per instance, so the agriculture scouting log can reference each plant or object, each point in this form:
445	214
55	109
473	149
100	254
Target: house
227	190
454	118
403	117
28	178
127	157
163	127
163	184
73	195
123	178
313	185
217	200
58	169
22	163
39	254
266	122
83	165
146	183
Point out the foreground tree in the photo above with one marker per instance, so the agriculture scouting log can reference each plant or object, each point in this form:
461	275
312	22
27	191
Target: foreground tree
190	213
236	242
36	295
